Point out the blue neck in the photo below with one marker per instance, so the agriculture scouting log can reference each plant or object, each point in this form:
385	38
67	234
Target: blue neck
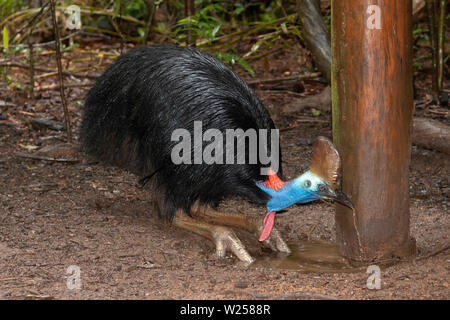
289	195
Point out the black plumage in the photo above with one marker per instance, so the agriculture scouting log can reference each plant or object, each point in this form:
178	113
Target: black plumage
147	93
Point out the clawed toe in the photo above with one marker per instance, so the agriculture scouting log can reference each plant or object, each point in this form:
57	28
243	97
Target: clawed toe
275	242
225	240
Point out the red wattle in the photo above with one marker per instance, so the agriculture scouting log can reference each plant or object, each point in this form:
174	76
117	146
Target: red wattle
268	223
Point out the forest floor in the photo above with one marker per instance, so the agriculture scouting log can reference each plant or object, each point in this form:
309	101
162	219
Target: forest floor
57	214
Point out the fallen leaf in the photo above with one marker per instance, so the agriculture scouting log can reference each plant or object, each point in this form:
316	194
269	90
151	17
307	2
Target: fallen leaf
28	146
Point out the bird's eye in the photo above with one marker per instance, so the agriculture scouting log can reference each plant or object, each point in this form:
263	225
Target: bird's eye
321	187
307	184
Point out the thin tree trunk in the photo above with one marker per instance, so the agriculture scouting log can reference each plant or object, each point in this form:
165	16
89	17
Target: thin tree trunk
60	72
440	44
189	11
433	8
31	61
315	34
151	12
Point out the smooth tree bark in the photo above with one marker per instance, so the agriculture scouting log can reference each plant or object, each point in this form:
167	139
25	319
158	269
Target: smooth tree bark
372	107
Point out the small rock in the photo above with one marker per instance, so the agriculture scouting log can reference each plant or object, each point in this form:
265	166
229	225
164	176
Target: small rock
241	284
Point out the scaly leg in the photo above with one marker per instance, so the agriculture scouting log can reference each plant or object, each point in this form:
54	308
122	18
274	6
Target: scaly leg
223	237
251	224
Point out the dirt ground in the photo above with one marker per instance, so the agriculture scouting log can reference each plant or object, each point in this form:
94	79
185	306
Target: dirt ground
56	214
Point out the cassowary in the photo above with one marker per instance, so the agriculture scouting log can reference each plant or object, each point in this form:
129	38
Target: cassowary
129	120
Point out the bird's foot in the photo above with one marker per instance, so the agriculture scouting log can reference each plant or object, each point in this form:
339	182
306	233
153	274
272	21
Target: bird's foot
252	224
275	242
225	239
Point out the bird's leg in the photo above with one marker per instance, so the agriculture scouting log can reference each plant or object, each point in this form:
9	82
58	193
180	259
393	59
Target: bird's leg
223	237
252	224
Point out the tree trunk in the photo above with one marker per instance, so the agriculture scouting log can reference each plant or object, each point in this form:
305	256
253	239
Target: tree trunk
322	101
431	134
315	34
189	11
372	110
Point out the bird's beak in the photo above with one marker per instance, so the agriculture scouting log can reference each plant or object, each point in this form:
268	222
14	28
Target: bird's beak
336	195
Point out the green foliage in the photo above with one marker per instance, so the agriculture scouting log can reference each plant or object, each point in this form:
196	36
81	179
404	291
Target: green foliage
134	8
215	17
315	112
233	59
238	9
69	48
205	24
5	39
217	25
18	49
8	7
417	65
420	33
268	14
162	28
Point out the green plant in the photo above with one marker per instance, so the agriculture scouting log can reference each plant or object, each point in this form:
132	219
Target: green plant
211	23
420	33
5	38
205	24
233	59
8	7
134	8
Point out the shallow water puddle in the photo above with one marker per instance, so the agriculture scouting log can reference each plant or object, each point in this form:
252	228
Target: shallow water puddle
310	256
